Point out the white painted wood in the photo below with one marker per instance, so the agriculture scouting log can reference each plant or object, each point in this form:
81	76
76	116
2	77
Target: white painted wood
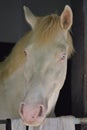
61	123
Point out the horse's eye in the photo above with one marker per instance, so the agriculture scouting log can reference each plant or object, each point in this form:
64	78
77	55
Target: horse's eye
60	56
63	55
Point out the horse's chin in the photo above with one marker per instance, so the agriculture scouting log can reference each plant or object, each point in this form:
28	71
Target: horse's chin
36	123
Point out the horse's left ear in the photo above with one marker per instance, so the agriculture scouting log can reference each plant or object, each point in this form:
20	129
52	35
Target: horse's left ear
29	16
66	18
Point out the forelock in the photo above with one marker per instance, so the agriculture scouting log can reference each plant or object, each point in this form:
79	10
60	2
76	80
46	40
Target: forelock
46	29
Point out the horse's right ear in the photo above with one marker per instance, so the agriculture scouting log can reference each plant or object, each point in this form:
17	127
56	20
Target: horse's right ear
29	16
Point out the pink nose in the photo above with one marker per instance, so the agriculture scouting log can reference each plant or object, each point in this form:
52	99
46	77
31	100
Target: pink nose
31	114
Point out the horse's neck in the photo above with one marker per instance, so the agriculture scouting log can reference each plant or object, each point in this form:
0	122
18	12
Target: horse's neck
15	78
14	83
12	92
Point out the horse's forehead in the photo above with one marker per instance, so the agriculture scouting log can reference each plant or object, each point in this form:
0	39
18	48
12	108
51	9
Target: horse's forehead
47	30
45	44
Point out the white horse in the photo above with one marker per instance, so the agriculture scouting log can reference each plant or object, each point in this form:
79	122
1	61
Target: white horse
33	74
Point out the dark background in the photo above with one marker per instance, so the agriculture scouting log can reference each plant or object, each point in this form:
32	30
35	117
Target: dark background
12	22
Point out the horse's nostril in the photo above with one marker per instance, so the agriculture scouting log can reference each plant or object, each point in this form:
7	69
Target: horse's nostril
21	109
41	111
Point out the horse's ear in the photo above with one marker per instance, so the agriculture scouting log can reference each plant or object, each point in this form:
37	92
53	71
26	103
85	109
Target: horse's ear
29	16
66	18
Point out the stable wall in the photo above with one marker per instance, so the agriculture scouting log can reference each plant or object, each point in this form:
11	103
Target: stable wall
12	22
